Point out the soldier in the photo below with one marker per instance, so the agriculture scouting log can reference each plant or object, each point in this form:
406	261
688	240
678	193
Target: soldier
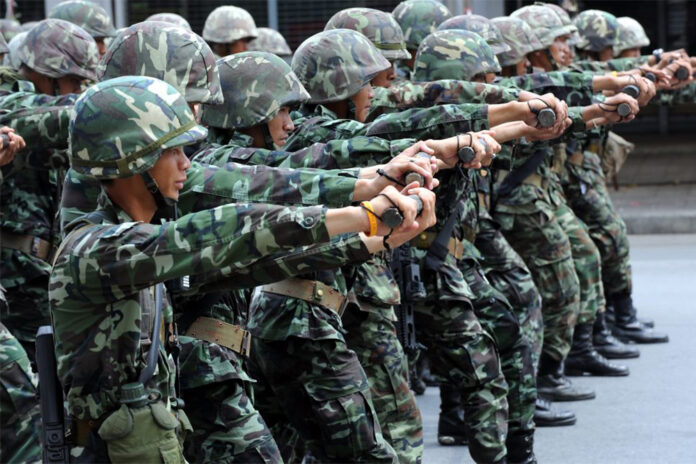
170	18
588	195
417	19
19	408
11	58
271	41
229	30
90	17
121	227
56	57
9	28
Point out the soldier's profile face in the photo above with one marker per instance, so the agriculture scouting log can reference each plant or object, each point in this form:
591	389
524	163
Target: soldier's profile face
630	53
560	50
69	84
170	172
281	126
363	101
384	78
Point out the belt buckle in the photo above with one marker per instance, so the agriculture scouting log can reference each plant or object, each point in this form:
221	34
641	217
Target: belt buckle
245	346
35	246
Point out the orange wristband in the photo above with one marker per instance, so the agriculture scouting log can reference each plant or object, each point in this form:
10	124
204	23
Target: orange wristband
371	217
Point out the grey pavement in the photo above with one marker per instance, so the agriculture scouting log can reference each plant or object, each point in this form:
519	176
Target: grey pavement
648	417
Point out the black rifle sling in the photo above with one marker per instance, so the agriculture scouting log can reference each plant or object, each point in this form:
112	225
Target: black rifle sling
516	176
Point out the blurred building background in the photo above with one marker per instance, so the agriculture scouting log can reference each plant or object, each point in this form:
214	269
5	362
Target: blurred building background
666	23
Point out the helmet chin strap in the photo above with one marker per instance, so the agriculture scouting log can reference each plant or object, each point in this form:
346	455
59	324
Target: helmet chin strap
554	65
267	138
166	207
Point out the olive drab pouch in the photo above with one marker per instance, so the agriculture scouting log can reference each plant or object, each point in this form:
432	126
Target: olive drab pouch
616	150
144	434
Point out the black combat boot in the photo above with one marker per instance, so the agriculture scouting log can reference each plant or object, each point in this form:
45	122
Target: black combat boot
607	345
547	415
520	447
584	359
645	321
553	385
451	430
627	328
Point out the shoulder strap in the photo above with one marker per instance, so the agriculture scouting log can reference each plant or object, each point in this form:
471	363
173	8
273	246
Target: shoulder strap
515	177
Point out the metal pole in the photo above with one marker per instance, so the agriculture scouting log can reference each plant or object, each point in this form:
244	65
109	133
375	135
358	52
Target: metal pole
272	6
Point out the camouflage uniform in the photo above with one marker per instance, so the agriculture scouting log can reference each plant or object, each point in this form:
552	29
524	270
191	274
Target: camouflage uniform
417	19
271	41
54	48
446	321
89	16
216	259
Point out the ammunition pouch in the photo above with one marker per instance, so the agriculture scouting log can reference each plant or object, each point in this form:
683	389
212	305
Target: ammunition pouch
311	291
146	434
219	332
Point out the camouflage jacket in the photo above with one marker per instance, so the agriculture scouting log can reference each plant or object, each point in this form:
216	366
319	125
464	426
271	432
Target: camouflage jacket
575	88
404	95
98	311
31	189
321	124
335	154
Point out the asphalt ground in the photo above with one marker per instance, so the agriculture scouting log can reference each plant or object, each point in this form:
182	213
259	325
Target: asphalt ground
648	417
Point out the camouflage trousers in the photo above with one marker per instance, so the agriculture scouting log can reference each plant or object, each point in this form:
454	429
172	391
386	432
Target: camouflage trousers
20	417
324	394
218	401
463	354
588	196
587	263
508	274
533	230
498	319
372	336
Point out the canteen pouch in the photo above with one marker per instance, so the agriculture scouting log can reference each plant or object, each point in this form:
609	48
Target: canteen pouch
144	435
616	150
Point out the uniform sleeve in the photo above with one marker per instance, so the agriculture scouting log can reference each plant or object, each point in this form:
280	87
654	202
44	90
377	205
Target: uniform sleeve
102	263
210	186
435	122
575	88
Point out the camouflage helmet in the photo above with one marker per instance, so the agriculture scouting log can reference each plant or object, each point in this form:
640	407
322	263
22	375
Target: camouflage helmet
172	18
12	57
544	22
597	29
565	19
479	25
519	36
570	6
3	45
255	86
380	27
227	24
334	65
9	28
26	27
271	41
57	48
168	52
418	18
120	127
453	54
89	16
631	35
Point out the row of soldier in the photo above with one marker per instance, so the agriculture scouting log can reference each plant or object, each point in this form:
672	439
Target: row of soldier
150	161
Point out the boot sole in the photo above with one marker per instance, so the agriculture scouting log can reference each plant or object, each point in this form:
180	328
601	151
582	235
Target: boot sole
640	341
581	373
556	423
563	399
